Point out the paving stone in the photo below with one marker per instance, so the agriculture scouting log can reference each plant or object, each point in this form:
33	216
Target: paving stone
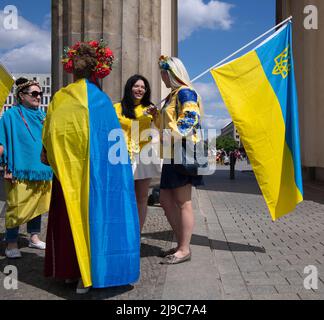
239	253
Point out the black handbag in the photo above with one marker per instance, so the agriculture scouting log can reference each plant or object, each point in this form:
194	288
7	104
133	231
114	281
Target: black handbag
186	162
189	164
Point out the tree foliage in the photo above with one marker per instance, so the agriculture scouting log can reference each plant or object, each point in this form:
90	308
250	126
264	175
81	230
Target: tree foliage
227	143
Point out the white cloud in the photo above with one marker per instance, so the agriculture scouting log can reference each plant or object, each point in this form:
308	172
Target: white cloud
215	112
212	122
210	96
27	49
195	14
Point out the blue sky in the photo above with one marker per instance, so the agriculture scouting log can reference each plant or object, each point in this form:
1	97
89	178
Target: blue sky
209	31
28	48
218	29
32	10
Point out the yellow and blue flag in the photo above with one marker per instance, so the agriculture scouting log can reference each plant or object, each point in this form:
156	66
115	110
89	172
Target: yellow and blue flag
6	83
99	195
259	90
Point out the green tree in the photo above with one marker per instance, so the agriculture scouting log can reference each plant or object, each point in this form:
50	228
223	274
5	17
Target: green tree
227	143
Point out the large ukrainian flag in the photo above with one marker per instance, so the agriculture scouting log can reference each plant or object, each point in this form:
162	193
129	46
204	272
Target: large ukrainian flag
6	83
259	91
100	196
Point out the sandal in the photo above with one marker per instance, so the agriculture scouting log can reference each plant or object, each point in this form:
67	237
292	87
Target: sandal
172	259
164	254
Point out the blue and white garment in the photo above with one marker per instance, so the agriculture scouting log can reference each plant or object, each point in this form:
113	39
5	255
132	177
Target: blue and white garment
188	120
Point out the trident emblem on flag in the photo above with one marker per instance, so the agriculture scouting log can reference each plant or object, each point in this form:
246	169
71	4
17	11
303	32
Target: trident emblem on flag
282	64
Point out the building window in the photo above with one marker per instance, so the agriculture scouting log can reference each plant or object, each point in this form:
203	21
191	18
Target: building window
48	81
48	90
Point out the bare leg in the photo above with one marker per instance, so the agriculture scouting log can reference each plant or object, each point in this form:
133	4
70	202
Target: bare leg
141	190
182	198
171	211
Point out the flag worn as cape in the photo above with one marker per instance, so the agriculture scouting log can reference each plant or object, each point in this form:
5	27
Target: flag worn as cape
259	90
99	196
6	83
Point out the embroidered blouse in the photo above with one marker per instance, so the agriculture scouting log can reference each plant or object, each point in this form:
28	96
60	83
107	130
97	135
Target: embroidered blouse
181	114
133	139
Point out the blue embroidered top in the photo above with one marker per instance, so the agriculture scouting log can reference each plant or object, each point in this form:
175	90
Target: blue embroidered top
181	114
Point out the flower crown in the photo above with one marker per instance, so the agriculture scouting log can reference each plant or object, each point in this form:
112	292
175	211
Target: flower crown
163	63
105	58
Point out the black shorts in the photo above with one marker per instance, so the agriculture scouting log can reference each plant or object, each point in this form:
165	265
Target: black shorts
171	179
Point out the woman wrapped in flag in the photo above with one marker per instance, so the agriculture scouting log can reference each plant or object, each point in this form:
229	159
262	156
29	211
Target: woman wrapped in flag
93	230
27	181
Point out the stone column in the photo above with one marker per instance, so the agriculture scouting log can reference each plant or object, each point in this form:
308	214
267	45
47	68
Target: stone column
133	30
309	63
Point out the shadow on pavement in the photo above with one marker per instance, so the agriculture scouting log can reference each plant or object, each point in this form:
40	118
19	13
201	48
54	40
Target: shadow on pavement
148	250
31	269
244	182
214	244
314	191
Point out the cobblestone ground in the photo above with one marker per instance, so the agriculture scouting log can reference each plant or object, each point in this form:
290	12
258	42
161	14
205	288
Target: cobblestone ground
263	259
238	252
32	285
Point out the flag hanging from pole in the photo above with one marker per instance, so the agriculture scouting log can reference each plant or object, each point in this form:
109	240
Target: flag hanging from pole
259	90
6	83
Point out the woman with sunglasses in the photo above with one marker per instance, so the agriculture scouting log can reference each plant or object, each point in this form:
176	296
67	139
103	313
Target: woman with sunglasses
27	180
136	124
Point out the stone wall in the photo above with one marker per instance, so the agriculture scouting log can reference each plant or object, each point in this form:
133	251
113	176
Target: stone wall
137	31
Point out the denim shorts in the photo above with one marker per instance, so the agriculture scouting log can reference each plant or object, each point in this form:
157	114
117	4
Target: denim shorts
172	179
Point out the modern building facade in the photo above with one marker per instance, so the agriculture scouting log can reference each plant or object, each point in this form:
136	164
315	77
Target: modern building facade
137	31
231	131
309	65
45	80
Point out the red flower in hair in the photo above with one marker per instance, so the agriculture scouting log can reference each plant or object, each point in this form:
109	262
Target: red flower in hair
105	58
68	66
108	53
76	46
94	44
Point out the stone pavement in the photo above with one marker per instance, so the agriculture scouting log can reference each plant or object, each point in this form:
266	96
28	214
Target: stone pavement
238	252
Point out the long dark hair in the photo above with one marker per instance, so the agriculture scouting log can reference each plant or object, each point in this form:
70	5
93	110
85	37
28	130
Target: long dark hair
128	105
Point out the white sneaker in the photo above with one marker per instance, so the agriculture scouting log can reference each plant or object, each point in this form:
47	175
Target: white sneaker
39	245
81	289
13	253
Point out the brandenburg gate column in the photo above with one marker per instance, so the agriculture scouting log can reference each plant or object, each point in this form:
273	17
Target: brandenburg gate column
138	32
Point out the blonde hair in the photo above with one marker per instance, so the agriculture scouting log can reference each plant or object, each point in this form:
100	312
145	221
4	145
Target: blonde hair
178	76
177	73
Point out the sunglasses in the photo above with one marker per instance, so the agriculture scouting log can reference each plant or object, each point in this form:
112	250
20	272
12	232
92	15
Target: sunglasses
34	94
